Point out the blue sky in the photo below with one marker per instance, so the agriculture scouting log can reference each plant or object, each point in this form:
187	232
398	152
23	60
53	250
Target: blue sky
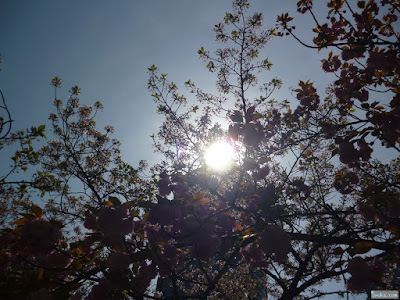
105	47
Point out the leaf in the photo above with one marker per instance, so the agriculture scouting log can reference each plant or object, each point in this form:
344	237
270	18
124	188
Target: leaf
360	248
37	211
134	214
249	163
264	160
145	217
41	274
393	229
239	227
197	196
27	216
308	153
337	264
56	224
161	243
15	157
76	252
396	90
78	265
338	251
236	117
203	200
114	200
251	110
139	234
128	204
108	203
20	221
248	230
256	116
152	68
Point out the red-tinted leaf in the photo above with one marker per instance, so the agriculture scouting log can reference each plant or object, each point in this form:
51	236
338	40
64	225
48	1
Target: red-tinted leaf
41	274
251	110
360	248
236	116
20	221
114	200
37	211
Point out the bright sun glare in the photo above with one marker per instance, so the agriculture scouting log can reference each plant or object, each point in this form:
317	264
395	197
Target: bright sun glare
219	155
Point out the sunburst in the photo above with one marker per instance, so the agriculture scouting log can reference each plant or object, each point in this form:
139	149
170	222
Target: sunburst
219	155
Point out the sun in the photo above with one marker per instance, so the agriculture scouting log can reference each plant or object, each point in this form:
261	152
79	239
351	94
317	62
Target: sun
219	155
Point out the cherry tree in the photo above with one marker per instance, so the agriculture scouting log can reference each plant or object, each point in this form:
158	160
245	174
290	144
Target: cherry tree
301	201
364	101
60	249
314	220
12	189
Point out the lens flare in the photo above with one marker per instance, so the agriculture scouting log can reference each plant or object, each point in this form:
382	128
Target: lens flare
219	155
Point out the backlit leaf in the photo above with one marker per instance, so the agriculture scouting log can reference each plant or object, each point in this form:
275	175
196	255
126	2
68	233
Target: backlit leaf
203	200
145	217
114	200
197	196
37	211
41	274
20	221
360	248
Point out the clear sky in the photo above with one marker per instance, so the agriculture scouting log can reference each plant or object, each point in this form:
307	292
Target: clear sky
105	47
